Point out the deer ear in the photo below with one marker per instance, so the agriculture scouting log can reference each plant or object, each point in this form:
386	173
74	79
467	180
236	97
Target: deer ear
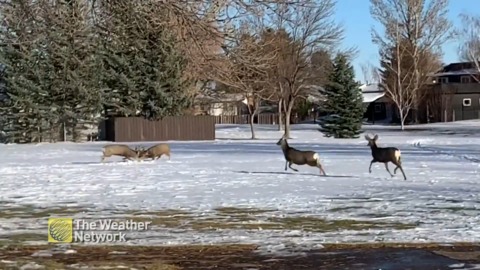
367	138
376	137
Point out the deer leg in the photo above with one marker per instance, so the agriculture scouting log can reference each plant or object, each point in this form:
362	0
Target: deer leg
321	169
286	162
370	168
399	166
290	166
386	167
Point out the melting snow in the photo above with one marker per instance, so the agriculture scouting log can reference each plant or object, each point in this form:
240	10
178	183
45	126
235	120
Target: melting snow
441	195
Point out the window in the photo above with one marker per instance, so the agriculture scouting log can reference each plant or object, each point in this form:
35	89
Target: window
378	108
467	102
465	79
443	79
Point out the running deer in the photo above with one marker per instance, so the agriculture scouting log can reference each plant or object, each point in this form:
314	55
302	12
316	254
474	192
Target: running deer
294	156
385	155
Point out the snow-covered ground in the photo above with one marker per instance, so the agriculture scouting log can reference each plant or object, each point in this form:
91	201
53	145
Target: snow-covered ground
439	201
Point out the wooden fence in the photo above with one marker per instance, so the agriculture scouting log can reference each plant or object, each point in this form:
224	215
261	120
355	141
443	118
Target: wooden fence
262	119
181	128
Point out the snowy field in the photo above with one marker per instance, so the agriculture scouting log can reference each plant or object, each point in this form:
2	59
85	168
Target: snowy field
235	190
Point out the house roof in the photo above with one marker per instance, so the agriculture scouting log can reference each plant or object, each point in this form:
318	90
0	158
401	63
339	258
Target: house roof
371	97
315	93
220	97
371	87
371	92
460	68
470	71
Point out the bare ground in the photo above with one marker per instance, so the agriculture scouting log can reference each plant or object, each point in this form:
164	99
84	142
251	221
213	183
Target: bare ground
371	256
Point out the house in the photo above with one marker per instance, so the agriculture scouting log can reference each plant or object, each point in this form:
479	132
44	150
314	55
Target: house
379	107
220	104
454	93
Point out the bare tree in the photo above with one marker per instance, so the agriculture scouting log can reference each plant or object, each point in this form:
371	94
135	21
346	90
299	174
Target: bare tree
203	27
470	46
423	25
368	72
396	78
245	69
306	28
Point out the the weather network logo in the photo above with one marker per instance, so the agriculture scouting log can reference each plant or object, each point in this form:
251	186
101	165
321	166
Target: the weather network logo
60	230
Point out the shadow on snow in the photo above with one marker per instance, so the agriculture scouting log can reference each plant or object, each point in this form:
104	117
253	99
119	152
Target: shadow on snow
298	173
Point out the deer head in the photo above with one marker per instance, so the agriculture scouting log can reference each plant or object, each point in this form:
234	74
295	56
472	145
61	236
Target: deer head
371	141
282	140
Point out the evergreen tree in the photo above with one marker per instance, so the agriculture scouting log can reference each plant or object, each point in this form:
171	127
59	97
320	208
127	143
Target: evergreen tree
49	67
24	102
142	71
344	102
70	64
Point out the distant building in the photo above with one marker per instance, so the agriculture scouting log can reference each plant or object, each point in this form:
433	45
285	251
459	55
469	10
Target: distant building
220	104
379	106
455	93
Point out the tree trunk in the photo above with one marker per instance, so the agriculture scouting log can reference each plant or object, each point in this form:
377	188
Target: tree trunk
287	118
280	115
402	119
252	110
252	128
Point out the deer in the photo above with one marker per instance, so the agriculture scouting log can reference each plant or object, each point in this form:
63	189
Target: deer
155	152
385	155
120	150
298	157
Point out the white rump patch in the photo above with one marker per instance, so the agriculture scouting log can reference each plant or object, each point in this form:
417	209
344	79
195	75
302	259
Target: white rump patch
397	154
316	156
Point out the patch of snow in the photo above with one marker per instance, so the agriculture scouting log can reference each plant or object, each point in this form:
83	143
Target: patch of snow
31	266
440	197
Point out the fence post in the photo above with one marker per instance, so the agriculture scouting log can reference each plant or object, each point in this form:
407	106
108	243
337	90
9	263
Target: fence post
453	115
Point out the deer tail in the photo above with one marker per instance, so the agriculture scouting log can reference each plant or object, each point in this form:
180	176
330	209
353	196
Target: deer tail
398	156
316	157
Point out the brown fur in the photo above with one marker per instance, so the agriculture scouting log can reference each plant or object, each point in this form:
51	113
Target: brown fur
120	150
385	155
156	152
298	157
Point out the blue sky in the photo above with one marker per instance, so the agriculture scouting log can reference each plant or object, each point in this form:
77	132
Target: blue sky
356	19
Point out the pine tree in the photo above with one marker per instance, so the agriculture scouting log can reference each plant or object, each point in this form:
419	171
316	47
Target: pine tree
24	102
49	68
69	60
141	68
344	102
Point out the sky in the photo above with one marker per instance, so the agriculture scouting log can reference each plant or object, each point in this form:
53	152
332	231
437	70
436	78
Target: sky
356	19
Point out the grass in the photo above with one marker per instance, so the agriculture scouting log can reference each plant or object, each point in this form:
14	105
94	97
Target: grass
22	237
129	257
242	211
254	219
454	208
35	212
51	264
346	208
221	256
224	218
